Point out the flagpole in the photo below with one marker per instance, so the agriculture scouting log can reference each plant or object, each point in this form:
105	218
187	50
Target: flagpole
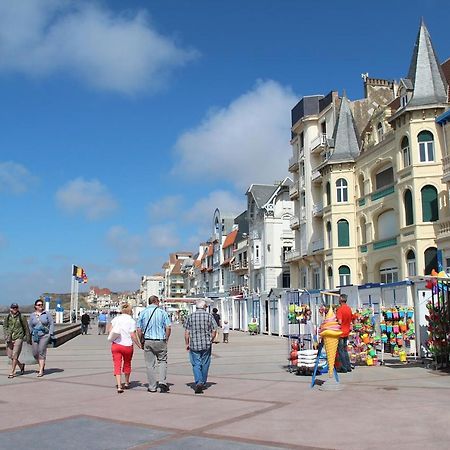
71	296
76	299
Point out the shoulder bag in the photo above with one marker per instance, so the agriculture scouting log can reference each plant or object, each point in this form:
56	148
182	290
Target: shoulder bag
143	334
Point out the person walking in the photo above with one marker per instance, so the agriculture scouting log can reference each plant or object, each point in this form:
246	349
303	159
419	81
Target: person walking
200	332
225	331
102	320
42	328
122	347
154	329
217	318
85	321
344	317
16	331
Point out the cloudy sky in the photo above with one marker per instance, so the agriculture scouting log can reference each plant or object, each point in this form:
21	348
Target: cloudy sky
125	124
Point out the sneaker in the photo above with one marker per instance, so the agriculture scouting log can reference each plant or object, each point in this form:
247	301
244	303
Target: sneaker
151	390
163	388
198	389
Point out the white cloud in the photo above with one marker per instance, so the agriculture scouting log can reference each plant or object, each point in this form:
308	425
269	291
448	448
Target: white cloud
246	142
165	208
163	236
15	178
119	279
127	246
89	198
120	52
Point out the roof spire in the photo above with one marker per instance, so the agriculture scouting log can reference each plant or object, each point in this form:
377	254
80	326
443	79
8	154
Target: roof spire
425	73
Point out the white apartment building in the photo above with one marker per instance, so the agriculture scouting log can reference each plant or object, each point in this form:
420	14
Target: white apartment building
151	285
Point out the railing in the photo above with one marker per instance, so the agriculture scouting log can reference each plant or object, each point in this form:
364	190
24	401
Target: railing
317	245
293	163
239	265
361	202
382	193
315	175
385	243
363	248
318	209
318	142
291	255
295	222
444	228
293	191
446	167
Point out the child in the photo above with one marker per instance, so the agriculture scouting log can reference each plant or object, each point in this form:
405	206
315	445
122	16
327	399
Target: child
226	330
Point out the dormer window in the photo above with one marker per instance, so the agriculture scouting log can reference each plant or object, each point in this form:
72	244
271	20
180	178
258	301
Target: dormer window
403	100
380	131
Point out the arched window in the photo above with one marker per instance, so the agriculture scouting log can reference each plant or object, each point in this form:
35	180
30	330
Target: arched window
384	177
342	190
426	146
330	277
329	241
430	260
430	209
406	155
344	276
328	193
388	272
343	233
387	225
408	202
411	263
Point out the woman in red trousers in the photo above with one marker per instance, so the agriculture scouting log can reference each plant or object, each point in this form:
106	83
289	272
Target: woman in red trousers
122	347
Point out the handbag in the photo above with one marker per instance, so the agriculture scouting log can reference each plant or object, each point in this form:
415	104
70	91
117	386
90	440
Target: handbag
114	333
142	337
26	355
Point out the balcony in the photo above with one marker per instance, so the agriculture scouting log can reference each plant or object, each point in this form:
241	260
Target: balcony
293	191
293	164
446	169
318	210
295	223
363	248
444	229
317	246
385	243
292	255
319	143
382	193
239	266
316	176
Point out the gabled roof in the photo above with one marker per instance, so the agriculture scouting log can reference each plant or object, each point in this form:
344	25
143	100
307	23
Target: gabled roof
229	240
425	72
177	268
346	146
262	193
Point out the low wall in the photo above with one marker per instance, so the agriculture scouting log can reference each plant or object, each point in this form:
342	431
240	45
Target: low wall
63	333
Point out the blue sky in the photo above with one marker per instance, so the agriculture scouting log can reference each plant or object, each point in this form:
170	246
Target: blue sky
125	124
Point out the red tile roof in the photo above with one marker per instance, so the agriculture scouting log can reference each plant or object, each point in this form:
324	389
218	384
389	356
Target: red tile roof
229	240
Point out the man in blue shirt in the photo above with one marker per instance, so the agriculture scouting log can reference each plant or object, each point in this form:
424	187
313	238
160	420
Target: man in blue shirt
102	319
154	324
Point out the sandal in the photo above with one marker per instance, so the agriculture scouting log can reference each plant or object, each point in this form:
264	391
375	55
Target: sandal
40	374
126	386
11	375
119	389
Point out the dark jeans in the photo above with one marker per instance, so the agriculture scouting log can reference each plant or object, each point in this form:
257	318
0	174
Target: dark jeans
84	328
343	354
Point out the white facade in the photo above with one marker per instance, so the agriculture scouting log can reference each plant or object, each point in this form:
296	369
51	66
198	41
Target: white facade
151	285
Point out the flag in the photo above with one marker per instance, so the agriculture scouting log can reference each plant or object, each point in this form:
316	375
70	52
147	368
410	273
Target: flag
79	274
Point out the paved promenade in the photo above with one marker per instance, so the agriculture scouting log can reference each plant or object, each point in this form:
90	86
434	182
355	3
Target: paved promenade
251	403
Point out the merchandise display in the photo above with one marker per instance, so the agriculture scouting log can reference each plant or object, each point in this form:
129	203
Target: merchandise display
299	313
363	340
397	329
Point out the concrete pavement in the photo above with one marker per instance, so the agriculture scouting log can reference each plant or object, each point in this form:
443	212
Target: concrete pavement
252	403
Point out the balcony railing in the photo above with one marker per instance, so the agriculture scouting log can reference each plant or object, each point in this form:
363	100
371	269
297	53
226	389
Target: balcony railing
295	223
317	245
239	265
316	176
385	243
293	191
293	164
382	193
318	209
292	255
363	248
444	229
319	143
446	168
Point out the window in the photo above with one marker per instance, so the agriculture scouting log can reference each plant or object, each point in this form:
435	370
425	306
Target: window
405	152
430	210
408	201
447	265
285	250
330	277
329	241
388	272
343	233
344	276
380	131
342	190
411	263
302	140
426	146
303	199
303	277
328	193
387	225
403	100
302	169
430	260
316	278
384	178
286	280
